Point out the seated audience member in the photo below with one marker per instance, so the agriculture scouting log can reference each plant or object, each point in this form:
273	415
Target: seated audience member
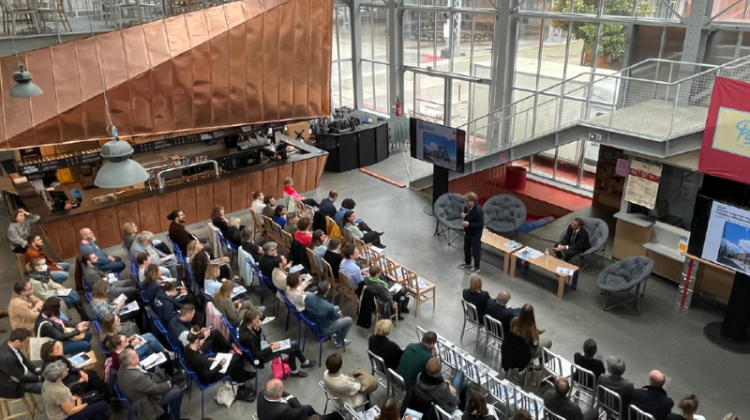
129	230
346	205
333	256
381	346
524	326
59	402
521	415
652	398
75	337
263	352
144	344
231	233
319	246
498	309
688	405
589	360
249	245
371	237
58	270
430	389
258	205
415	358
44	287
93	275
349	389
279	215
118	343
279	273
143	260
199	260
196	361
390	410
101	306
180	236
275	404
290	191
295	291
350	268
78	380
213	280
233	310
19	230
303	234
271	259
557	401
292	218
234	233
575	241
179	328
270	203
384	296
327	208
17	374
143	243
476	296
476	407
24	307
103	262
616	383
139	387
173	291
327	316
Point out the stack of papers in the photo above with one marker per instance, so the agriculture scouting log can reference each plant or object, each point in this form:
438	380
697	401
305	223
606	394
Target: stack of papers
153	360
80	360
238	290
564	271
296	268
63	292
169	260
512	244
395	288
218	358
111	278
267	319
121	298
371	413
415	415
130	307
528	253
284	345
141	342
422	284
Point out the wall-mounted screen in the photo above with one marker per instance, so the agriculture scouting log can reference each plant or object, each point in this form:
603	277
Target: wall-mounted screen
437	144
727	239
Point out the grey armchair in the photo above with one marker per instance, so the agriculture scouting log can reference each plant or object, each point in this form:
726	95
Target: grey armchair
623	276
598	234
504	213
447	210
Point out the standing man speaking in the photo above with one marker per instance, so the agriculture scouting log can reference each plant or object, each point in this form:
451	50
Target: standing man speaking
473	226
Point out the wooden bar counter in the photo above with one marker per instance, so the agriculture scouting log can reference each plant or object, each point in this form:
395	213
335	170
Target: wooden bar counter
149	209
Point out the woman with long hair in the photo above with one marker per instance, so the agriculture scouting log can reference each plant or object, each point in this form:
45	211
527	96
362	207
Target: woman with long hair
349	222
199	261
59	402
476	407
390	410
78	380
45	287
213	280
144	345
233	310
75	337
279	215
174	291
251	338
524	326
129	230
218	218
117	343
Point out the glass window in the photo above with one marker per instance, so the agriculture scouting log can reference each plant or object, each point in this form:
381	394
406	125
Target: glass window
527	54
368	85
344	32
737	11
411	38
382	87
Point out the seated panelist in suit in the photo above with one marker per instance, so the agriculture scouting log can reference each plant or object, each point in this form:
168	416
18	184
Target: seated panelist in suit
575	241
275	404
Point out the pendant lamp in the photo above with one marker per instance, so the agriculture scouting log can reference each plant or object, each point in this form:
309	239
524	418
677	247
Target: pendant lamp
120	171
24	88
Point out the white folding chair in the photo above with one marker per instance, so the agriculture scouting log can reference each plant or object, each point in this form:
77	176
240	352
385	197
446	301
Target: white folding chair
442	414
553	366
635	413
548	415
609	401
471	317
379	369
503	392
331	399
493	333
530	403
420	333
583	385
353	413
470	369
397	385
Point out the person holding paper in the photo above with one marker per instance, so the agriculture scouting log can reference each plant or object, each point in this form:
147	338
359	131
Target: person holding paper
78	380
59	402
101	306
199	260
233	310
117	343
209	372
263	352
271	259
154	286
179	328
92	275
17	374
139	387
45	287
381	289
146	343
75	338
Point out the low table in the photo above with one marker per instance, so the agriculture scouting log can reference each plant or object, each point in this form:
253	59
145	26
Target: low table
499	242
550	264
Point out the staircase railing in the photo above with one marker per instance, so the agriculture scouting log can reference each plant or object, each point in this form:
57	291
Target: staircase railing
673	95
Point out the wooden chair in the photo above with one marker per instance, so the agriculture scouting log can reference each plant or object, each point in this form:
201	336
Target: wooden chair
348	237
314	266
287	240
256	222
387	267
336	285
4	404
394	314
346	289
413	289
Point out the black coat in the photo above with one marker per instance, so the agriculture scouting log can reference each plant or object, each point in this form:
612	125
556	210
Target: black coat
54	330
366	309
594	365
514	352
266	265
334	259
252	249
250	340
292	410
622	387
479	300
500	313
327	208
386	349
653	400
11	367
475	217
562	406
298	254
581	242
199	364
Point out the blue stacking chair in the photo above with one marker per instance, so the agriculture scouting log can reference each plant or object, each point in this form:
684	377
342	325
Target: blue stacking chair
176	347
91	313
126	400
291	310
98	331
235	335
192	377
315	330
229	248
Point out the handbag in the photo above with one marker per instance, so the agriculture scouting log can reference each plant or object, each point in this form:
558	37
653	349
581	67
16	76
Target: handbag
280	369
225	395
35	343
368	382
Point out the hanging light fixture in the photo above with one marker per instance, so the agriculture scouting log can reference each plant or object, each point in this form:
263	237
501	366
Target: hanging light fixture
23	88
119	171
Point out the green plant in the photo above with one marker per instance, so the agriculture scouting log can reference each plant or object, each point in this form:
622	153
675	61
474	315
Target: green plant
613	35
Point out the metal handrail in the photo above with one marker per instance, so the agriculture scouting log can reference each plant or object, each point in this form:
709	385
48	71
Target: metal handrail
190	165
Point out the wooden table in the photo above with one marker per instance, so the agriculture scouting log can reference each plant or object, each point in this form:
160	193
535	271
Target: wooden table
548	263
499	242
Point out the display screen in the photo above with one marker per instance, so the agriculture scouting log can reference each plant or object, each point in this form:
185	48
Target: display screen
728	237
437	144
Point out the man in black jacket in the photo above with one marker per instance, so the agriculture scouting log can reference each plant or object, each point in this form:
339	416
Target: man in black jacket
327	208
473	224
17	374
575	241
275	404
499	310
557	401
432	390
652	398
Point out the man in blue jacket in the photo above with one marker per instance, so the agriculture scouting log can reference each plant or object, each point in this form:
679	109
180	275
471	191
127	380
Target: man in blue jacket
106	263
473	223
327	316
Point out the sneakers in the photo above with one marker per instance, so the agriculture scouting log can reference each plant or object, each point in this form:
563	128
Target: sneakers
475	270
261	309
299	374
308	364
464	266
346	342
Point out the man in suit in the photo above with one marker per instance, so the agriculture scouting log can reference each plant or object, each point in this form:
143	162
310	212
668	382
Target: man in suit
575	241
327	208
275	404
557	401
652	398
616	383
17	374
150	400
499	310
473	224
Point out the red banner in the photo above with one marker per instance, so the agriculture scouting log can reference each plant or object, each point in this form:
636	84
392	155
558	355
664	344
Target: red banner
725	151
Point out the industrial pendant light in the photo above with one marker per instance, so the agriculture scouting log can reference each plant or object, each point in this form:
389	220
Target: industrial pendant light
23	88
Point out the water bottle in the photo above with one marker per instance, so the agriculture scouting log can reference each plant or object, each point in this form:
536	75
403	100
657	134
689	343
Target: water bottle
546	255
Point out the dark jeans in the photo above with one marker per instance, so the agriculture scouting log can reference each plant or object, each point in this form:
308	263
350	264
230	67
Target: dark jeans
95	383
77	346
163	248
33	387
172	401
473	248
116	266
216	343
372	238
294	354
95	411
310	202
19	250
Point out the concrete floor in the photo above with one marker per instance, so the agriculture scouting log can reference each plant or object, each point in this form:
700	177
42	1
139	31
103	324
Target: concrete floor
663	337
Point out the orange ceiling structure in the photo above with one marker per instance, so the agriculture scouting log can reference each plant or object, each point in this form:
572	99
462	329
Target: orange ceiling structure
244	62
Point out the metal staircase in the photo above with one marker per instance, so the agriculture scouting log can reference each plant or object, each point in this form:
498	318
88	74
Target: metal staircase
656	107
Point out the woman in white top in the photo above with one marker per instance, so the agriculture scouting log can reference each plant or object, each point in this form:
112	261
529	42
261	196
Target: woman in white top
295	291
350	224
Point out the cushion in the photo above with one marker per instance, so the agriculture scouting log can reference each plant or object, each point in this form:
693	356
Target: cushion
504	213
448	208
625	274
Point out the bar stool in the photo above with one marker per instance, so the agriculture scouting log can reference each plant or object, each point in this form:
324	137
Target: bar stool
6	402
